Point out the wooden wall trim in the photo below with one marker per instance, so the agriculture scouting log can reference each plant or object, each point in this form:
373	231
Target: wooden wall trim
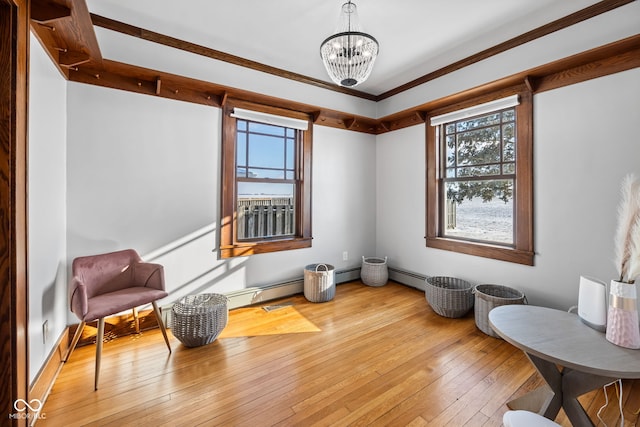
117	75
604	60
14	64
615	57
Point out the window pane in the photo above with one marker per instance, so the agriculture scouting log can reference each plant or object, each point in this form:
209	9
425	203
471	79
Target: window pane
241	149
266	173
490	119
290	160
265	210
451	151
479	170
450	128
266	151
264	128
480	210
480	146
509	168
509	139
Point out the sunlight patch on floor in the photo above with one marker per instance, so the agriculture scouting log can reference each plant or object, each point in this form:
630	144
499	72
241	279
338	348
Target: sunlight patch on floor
255	321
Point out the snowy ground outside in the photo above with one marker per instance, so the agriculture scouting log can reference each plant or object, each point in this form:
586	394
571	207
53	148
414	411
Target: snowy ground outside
478	220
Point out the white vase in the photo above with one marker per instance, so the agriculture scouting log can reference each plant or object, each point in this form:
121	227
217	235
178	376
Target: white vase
623	328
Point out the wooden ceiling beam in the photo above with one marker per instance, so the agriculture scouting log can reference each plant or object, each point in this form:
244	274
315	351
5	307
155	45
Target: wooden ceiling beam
72	59
66	33
44	11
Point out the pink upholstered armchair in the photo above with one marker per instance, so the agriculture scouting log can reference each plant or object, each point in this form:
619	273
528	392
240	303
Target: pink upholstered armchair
106	284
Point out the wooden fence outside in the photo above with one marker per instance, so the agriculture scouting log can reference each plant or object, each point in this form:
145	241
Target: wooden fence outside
260	217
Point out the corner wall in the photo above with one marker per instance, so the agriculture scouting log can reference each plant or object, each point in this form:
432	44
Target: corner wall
143	172
47	211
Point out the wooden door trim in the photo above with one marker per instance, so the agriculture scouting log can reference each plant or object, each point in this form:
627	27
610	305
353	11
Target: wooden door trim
14	57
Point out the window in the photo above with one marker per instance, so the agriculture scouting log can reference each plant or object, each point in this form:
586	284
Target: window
479	179
266	190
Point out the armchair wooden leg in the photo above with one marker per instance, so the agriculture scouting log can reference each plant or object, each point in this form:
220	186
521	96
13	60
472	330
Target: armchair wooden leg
136	320
99	340
74	341
156	310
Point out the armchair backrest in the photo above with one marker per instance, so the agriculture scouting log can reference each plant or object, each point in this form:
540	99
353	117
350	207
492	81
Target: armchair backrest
105	272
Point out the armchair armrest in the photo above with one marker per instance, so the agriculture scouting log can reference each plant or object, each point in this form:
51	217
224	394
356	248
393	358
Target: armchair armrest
149	275
79	300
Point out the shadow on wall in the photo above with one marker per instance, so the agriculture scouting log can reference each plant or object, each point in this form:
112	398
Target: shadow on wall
49	295
191	265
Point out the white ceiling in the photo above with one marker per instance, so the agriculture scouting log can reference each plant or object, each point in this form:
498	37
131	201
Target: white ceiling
416	36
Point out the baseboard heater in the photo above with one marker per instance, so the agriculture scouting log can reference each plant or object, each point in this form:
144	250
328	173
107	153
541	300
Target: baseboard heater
257	295
408	278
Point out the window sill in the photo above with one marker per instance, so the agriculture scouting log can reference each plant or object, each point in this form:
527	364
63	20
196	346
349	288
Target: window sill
500	253
265	246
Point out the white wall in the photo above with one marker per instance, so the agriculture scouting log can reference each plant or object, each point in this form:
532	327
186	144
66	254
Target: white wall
46	206
143	172
585	141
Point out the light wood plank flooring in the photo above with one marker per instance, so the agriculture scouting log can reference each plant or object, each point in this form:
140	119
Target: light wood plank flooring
371	356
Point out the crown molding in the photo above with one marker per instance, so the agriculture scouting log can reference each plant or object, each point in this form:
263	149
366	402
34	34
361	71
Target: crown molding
68	36
559	24
141	33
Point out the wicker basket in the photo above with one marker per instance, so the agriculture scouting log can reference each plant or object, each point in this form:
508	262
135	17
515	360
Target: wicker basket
448	296
487	297
319	282
198	319
374	271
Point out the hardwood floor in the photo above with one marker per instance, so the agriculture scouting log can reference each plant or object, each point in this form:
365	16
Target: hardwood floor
371	356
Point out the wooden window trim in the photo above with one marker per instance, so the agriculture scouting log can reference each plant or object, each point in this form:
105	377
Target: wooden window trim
229	245
522	252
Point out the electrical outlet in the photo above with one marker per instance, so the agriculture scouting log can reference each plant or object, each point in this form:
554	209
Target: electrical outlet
45	331
345	256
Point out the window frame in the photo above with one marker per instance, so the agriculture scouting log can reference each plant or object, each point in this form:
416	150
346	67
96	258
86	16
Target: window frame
230	246
521	251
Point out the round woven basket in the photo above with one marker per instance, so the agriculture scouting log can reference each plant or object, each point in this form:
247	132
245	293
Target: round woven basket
319	282
448	296
198	319
487	297
374	271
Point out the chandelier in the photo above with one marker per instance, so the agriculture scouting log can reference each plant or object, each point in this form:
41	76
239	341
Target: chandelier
349	54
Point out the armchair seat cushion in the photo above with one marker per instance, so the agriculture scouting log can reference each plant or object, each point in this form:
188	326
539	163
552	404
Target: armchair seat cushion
121	300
